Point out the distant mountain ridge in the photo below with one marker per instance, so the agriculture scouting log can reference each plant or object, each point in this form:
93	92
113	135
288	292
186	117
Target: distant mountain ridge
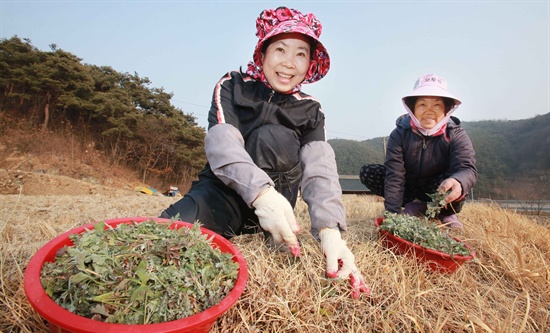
512	156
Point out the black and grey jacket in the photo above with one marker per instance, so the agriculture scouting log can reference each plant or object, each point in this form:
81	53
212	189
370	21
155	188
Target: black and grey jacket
239	106
414	159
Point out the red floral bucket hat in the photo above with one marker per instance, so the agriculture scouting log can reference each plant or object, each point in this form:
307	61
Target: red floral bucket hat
282	20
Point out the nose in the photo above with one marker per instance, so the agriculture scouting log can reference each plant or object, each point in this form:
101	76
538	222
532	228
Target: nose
289	61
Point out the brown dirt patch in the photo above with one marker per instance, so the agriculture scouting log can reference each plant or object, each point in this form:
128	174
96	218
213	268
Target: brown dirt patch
40	183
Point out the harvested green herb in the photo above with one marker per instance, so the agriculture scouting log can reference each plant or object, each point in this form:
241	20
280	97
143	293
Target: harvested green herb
438	202
422	232
141	273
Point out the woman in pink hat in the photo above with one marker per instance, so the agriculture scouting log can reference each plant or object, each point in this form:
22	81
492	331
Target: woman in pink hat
265	140
428	151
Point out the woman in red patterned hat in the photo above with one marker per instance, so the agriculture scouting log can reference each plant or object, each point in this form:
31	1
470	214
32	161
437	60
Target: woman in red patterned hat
266	140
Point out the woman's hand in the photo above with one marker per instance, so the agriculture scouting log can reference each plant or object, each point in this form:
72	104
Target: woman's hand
341	262
277	217
452	186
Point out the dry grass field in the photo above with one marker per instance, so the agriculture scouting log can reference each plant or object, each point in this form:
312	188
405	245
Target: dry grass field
505	289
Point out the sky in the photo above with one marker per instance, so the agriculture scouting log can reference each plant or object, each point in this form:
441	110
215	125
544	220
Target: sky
495	55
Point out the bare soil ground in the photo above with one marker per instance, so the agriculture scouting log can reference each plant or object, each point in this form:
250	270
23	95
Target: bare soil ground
47	173
37	183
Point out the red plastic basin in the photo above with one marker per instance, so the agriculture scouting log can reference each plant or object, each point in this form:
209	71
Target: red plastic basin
436	260
62	320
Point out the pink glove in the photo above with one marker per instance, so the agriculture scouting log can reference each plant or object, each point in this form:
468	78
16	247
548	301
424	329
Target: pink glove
337	252
277	217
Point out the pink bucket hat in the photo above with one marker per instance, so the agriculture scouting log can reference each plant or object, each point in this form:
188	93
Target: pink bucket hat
432	85
272	22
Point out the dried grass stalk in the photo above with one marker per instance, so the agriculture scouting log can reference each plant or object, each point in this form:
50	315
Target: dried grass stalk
506	289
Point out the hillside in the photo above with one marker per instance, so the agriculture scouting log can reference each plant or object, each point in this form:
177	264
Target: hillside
93	109
60	167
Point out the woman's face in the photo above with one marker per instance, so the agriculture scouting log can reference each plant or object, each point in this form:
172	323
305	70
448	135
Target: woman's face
286	61
429	110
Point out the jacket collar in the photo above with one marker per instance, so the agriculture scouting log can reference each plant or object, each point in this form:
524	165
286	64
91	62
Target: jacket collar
404	121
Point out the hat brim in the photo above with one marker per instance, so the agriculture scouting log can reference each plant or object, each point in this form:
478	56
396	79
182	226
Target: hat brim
432	91
319	55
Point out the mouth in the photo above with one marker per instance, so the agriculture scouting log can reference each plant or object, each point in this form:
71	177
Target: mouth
285	76
429	117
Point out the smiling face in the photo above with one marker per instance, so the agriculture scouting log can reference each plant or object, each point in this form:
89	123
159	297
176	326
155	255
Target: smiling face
286	61
429	110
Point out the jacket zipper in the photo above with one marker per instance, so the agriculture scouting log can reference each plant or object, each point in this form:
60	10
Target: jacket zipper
421	165
271	95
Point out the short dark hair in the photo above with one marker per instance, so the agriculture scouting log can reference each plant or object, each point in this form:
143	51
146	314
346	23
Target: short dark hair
449	103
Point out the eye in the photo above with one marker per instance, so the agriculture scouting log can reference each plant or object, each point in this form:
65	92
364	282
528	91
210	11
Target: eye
301	54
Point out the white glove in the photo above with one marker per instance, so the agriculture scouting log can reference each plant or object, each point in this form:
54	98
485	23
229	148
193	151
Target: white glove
277	217
341	262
